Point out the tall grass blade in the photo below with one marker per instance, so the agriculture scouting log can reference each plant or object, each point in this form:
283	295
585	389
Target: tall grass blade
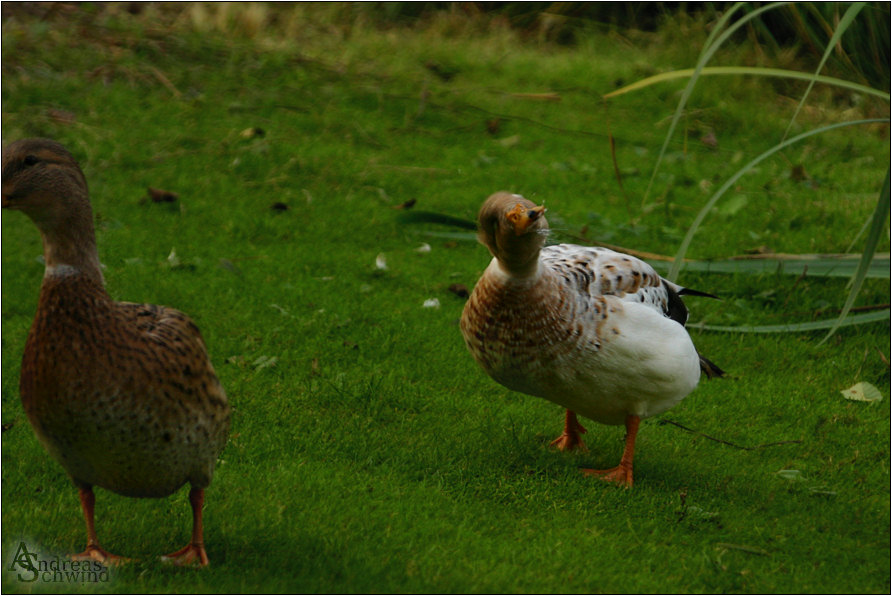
873	238
844	23
710	48
814	266
859	319
683	249
748	70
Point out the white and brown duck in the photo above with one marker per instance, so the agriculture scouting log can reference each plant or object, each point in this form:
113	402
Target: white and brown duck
593	330
122	395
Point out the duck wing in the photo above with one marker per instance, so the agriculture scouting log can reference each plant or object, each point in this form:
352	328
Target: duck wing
173	346
597	272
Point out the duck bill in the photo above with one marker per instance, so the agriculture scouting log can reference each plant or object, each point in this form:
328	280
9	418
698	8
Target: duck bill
523	217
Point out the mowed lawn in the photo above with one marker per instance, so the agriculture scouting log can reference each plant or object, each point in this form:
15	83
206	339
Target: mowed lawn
368	452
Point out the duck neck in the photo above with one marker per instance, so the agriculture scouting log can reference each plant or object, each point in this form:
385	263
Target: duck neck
520	270
70	249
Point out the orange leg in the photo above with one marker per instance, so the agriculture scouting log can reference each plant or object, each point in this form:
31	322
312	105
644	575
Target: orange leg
621	474
570	439
193	553
93	552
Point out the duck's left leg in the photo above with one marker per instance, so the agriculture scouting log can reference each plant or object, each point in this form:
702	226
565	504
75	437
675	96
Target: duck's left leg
621	474
193	553
570	439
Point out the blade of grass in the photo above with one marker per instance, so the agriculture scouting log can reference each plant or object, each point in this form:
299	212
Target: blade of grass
857	237
817	267
748	70
844	23
859	319
873	238
710	48
683	249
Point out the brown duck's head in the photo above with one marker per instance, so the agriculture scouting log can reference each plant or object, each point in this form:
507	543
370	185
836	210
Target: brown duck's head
514	230
43	180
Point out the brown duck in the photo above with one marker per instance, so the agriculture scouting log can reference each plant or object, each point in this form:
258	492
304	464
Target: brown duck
123	395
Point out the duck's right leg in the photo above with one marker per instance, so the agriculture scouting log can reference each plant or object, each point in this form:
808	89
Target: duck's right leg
93	552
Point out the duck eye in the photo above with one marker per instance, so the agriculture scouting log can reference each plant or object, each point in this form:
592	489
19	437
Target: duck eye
30	160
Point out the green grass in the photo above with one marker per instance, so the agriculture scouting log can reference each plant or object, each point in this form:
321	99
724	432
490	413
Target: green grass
374	455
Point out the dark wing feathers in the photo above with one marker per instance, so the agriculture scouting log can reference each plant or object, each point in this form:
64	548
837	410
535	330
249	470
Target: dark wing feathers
690	292
675	307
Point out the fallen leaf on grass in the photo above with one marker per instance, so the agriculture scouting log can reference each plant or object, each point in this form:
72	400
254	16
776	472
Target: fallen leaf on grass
162	196
381	262
229	266
511	141
732	205
695	513
550	96
709	140
281	310
61	116
460	290
862	392
406	204
823	491
175	262
265	362
253	132
792	475
753	550
445	73
797	476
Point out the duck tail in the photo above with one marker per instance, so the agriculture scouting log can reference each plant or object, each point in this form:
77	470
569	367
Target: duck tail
690	292
709	369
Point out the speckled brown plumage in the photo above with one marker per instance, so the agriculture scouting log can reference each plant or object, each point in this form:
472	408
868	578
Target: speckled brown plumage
122	395
596	331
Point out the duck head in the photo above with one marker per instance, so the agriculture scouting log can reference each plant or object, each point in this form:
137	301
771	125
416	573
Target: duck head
43	180
514	230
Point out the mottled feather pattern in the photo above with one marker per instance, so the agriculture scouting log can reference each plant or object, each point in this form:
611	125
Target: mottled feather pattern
595	271
516	323
122	394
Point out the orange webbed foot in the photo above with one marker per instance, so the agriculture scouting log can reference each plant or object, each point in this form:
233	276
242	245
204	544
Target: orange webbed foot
94	552
570	439
570	442
191	555
620	475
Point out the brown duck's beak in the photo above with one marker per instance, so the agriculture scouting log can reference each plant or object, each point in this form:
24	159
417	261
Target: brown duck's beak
523	217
